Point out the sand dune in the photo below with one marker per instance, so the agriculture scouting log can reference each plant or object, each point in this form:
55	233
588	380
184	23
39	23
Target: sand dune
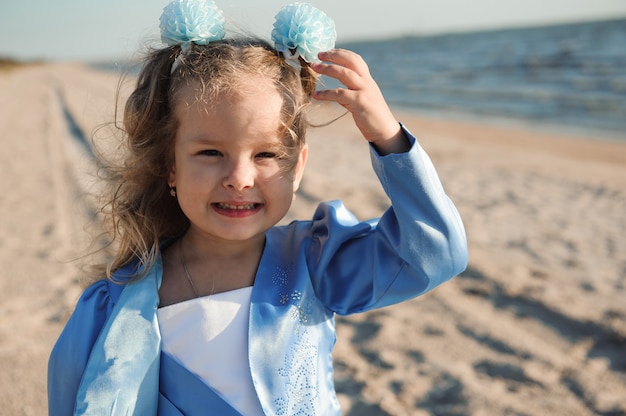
535	326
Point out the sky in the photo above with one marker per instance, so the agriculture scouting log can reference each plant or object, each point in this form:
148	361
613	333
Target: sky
100	30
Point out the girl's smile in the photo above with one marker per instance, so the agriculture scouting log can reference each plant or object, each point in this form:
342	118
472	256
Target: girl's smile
236	209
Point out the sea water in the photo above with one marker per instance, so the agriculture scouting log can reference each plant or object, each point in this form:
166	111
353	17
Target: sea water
565	76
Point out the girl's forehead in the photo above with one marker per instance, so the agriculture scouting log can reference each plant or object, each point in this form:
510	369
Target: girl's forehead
218	93
253	109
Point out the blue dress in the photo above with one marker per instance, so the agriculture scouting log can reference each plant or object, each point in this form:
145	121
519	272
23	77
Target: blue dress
108	358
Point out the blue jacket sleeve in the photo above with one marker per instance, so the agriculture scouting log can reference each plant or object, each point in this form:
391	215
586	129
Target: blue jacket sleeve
71	351
416	245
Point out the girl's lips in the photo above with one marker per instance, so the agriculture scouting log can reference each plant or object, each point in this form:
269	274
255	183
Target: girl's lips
236	209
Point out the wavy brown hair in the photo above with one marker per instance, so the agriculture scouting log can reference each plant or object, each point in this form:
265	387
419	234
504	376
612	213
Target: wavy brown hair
139	212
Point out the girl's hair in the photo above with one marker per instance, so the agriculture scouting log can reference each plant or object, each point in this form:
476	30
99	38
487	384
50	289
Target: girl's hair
139	212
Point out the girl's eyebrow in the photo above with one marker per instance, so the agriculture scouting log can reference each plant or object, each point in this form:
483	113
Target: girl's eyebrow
203	139
208	140
270	144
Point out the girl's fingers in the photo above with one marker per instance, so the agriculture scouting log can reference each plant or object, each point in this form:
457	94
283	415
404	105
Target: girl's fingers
341	96
345	66
345	58
346	76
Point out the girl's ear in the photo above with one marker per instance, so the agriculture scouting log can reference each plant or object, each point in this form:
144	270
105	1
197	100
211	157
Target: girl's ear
299	170
171	180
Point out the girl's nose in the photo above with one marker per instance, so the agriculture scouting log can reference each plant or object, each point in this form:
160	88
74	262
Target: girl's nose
239	176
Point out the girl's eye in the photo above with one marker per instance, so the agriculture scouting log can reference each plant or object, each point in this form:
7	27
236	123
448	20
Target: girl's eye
210	152
266	155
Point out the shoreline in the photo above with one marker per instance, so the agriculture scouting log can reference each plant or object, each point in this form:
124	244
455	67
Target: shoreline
542	150
518	132
574	131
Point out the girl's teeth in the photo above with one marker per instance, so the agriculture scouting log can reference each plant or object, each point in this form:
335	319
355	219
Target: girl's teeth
228	206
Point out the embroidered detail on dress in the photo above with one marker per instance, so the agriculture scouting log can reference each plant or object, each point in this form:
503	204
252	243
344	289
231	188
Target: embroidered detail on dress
298	314
300	309
279	278
300	379
299	370
294	297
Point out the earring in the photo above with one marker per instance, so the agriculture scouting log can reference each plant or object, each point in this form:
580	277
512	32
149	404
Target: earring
173	191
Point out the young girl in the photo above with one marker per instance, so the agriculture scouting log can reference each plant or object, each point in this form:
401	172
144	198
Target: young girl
208	307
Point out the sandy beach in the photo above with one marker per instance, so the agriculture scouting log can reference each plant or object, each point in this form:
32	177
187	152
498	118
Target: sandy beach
535	326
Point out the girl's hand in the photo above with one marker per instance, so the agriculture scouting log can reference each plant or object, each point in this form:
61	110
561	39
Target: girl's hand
362	98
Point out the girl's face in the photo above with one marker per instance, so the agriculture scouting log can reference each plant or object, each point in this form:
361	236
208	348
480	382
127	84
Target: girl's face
230	180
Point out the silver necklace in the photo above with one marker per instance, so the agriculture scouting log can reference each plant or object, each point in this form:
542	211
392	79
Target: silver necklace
182	259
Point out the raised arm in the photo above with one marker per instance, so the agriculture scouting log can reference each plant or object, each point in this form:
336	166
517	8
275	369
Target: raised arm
418	243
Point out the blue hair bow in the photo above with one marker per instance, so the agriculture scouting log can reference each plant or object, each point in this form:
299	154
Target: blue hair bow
301	30
187	21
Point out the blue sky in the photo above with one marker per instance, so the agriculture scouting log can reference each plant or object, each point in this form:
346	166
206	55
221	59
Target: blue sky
115	29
